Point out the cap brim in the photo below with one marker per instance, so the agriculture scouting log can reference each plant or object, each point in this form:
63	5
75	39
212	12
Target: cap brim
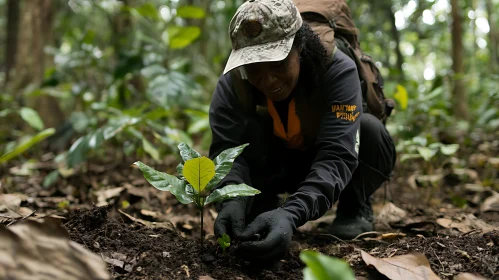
268	52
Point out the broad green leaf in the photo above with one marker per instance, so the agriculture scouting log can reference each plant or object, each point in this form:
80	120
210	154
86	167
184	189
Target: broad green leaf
202	124
405	157
172	89
435	146
150	149
402	97
223	164
191	12
322	267
426	153
198	172
165	182
231	191
148	10
184	36
51	178
5	112
21	148
449	150
78	151
31	117
187	152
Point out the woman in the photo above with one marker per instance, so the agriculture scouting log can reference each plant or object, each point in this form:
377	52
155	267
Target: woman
300	108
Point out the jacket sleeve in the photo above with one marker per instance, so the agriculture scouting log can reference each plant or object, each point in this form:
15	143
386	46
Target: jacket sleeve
228	124
336	145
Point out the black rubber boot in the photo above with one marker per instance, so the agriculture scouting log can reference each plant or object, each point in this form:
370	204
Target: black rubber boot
350	223
348	228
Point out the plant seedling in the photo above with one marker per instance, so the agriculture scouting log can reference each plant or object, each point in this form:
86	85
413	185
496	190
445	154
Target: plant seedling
322	267
224	241
198	178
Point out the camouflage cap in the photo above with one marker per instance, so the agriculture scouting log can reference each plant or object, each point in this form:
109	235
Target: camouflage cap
262	31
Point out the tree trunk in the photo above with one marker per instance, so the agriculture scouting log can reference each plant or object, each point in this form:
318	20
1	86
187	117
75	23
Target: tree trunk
396	37
460	104
12	31
493	44
31	61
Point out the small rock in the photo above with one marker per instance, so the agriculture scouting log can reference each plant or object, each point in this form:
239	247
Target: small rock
139	269
96	245
166	254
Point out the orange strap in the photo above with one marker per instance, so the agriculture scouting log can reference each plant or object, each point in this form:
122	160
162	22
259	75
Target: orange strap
293	137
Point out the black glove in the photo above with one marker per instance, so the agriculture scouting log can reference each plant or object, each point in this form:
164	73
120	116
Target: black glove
273	231
231	217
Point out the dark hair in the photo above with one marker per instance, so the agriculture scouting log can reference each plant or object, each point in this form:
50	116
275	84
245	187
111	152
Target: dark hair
313	57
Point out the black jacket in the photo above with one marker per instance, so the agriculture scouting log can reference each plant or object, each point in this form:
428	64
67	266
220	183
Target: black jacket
335	152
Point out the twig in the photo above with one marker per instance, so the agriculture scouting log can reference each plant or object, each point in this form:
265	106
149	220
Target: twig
23	218
470	232
334	237
367	233
443	269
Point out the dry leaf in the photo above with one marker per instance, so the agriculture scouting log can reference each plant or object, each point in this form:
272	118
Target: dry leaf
12	201
491	203
468	276
149	213
390	236
41	247
408	267
205	277
391	213
167	225
466	223
104	195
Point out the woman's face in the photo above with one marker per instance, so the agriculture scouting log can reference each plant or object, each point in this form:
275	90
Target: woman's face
276	79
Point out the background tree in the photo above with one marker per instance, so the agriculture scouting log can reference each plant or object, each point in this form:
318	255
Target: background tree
458	87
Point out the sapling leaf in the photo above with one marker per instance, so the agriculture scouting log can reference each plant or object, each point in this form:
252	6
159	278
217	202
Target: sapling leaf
322	267
165	182
198	172
223	164
224	241
230	191
180	170
187	152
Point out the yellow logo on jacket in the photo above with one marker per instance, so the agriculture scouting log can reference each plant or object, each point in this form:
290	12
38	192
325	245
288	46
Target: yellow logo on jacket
345	112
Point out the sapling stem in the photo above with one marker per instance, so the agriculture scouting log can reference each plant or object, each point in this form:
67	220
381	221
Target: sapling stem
202	216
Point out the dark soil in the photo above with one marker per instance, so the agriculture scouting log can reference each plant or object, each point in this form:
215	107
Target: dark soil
162	253
136	252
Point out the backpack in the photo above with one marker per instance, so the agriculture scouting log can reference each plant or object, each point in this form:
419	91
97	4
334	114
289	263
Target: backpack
331	20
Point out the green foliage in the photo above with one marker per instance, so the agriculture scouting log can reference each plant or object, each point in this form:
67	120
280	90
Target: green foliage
322	267
26	144
31	117
196	174
224	241
418	147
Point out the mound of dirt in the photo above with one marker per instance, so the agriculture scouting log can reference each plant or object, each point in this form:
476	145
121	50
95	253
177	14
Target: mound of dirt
136	252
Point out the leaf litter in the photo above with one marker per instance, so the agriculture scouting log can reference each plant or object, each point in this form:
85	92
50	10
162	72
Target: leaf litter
134	248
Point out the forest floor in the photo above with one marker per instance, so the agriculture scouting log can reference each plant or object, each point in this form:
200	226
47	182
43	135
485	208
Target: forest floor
448	210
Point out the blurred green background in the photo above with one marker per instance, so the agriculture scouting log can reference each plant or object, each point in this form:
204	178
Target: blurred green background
108	79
